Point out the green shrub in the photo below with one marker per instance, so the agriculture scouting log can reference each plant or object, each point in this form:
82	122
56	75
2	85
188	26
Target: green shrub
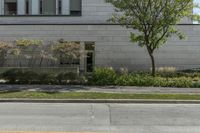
27	77
11	75
46	78
67	78
103	76
178	74
106	76
139	80
180	82
18	76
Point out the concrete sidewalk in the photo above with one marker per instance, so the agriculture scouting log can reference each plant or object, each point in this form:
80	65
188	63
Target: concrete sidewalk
108	89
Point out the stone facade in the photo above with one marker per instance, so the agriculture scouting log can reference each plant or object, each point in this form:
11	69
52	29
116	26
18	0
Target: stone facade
112	43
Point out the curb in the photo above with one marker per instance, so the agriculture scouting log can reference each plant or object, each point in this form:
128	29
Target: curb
117	101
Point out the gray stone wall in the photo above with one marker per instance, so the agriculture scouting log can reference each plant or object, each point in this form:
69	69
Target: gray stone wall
113	47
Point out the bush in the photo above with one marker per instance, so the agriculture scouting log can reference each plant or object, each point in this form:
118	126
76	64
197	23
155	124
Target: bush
11	75
180	82
103	76
67	78
17	76
27	77
107	76
139	80
46	78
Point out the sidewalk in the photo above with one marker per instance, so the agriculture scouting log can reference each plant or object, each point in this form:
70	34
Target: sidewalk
108	89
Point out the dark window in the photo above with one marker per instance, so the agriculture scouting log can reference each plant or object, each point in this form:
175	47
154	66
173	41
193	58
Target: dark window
48	7
90	52
75	7
27	7
10	7
60	7
41	3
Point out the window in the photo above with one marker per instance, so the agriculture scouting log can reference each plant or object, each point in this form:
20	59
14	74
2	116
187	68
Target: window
60	7
75	7
10	7
40	7
48	7
27	7
90	53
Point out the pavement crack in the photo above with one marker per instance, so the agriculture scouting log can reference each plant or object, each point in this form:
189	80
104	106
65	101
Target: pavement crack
92	114
110	115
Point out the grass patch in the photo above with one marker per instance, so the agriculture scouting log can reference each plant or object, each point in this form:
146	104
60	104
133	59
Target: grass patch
93	95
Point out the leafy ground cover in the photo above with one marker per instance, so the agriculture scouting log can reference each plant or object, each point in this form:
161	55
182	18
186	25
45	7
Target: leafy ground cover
108	76
105	77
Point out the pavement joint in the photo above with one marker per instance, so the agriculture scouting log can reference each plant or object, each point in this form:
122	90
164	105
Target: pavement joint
43	132
117	101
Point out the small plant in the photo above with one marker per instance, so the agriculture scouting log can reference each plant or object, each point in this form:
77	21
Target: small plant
27	77
67	78
47	78
123	70
103	76
11	76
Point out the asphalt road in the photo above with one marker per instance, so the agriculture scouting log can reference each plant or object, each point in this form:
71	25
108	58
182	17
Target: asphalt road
117	118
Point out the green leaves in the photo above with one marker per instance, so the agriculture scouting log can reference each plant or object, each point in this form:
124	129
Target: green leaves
153	20
67	50
137	38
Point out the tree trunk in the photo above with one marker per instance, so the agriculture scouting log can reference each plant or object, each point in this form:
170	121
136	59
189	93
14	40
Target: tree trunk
153	71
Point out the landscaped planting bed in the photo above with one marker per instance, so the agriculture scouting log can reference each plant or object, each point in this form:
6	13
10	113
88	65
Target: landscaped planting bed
105	77
108	76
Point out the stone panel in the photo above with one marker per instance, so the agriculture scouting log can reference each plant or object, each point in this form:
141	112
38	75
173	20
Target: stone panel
113	46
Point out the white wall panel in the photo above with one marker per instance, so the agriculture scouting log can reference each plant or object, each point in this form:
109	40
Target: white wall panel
21	7
1	7
35	7
65	7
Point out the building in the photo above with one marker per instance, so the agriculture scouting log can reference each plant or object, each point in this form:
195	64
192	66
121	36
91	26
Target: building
85	21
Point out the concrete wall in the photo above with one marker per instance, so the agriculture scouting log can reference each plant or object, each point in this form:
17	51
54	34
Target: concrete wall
113	47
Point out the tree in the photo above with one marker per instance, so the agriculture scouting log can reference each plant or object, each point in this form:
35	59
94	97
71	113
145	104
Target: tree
28	48
67	51
5	49
153	21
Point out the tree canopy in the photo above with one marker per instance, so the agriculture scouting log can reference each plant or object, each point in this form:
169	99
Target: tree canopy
153	21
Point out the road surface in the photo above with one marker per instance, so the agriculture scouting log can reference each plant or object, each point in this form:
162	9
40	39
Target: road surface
114	118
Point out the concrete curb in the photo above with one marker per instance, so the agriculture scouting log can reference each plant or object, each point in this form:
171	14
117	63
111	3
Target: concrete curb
117	101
